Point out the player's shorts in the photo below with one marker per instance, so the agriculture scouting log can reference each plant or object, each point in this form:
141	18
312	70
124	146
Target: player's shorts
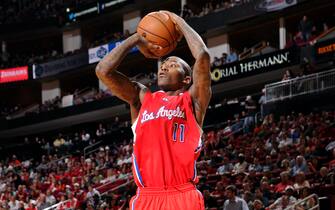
181	197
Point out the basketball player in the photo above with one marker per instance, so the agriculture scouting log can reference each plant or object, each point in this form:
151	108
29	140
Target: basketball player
166	124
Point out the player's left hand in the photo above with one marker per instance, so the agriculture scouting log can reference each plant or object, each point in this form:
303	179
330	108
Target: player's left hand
147	48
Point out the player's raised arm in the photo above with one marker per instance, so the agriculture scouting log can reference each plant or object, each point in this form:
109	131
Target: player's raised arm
201	87
118	83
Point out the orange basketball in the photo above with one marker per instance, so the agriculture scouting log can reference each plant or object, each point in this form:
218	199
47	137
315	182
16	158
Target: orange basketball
158	28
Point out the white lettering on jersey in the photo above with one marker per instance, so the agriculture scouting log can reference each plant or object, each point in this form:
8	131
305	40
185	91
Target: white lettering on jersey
162	112
147	116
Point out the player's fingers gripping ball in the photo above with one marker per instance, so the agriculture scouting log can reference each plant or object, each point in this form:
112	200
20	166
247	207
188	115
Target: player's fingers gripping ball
159	29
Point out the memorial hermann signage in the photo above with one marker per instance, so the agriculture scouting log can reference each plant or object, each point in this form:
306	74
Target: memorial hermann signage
254	65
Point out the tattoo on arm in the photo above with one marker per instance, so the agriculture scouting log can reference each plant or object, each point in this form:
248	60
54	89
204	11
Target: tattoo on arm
118	83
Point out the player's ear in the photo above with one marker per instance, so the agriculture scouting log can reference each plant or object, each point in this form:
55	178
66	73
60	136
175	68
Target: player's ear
187	80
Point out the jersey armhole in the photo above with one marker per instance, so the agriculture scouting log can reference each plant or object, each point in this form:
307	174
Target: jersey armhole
147	94
198	149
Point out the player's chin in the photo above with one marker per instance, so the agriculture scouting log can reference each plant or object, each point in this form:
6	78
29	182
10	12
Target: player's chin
162	81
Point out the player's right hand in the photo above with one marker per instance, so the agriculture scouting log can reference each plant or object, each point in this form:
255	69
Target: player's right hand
174	19
147	49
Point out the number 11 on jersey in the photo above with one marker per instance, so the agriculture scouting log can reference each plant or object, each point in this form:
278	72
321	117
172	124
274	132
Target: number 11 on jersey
181	129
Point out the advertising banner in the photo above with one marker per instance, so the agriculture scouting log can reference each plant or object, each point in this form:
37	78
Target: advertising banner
255	65
98	53
14	74
58	66
325	49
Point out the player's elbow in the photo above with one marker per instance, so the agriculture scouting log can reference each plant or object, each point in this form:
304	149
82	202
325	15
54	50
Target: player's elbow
99	71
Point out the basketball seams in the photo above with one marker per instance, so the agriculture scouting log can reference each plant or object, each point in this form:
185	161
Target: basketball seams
167	28
167	41
160	31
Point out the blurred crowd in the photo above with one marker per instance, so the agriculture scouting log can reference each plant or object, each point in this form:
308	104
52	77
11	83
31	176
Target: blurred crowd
206	7
19	11
225	58
81	180
292	147
6	109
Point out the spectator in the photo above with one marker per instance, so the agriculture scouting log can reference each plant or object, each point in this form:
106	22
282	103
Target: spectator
92	194
59	141
285	181
227	166
232	57
111	176
50	198
72	202
32	205
305	27
255	166
85	136
288	75
325	178
97	177
268	166
13	203
41	202
283	202
262	196
250	107
299	165
224	58
261	103
300	181
218	192
241	165
209	200
217	62
100	131
233	202
285	165
284	140
258	205
307	204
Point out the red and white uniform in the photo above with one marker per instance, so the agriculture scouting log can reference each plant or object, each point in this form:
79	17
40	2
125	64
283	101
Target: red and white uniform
167	142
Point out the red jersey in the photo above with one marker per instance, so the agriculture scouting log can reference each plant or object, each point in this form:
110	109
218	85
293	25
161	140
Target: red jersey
167	141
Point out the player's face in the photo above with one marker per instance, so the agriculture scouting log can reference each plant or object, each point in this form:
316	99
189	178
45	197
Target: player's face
171	74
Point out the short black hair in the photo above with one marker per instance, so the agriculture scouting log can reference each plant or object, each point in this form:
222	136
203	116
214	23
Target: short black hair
186	67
